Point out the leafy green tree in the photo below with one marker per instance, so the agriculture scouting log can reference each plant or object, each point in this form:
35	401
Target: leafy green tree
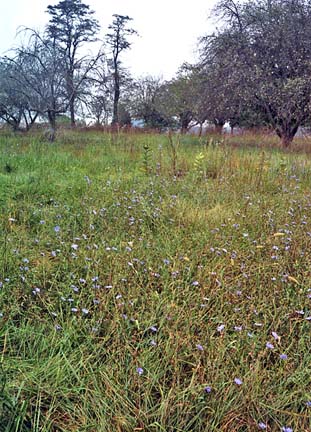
118	41
71	25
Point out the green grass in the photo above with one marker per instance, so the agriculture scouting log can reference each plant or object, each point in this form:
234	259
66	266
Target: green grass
115	257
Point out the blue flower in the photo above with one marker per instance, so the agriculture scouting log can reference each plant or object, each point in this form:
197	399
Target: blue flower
220	328
140	370
238	381
276	336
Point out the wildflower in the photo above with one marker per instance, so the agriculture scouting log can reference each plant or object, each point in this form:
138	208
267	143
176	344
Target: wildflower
195	283
287	429
199	347
283	357
74	246
140	370
154	329
208	389
269	345
308	404
276	336
74	310
85	311
57	228
262	426
220	328
153	342
238	381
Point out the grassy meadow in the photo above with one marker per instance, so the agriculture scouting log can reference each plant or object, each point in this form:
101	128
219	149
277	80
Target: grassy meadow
154	283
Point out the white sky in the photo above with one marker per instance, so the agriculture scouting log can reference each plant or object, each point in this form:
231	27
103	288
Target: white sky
168	29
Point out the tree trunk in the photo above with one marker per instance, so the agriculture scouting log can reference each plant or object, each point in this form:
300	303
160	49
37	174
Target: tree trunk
219	127
219	124
185	120
71	93
286	140
72	113
52	129
200	130
115	116
286	132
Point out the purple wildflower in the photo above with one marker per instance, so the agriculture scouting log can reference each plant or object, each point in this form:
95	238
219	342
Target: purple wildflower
276	336
238	381
220	328
140	370
208	389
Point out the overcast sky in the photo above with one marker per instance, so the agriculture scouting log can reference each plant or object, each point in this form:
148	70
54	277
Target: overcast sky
168	28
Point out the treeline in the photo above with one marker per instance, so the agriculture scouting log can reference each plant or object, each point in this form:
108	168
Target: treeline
254	70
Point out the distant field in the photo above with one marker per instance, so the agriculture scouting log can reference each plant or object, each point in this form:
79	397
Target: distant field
151	283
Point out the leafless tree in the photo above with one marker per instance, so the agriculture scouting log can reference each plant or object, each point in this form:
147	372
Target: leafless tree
265	47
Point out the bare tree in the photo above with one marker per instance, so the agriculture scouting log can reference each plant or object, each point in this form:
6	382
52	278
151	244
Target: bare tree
15	109
266	46
99	93
41	77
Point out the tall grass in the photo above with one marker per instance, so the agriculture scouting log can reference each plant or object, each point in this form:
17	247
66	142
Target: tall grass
159	292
